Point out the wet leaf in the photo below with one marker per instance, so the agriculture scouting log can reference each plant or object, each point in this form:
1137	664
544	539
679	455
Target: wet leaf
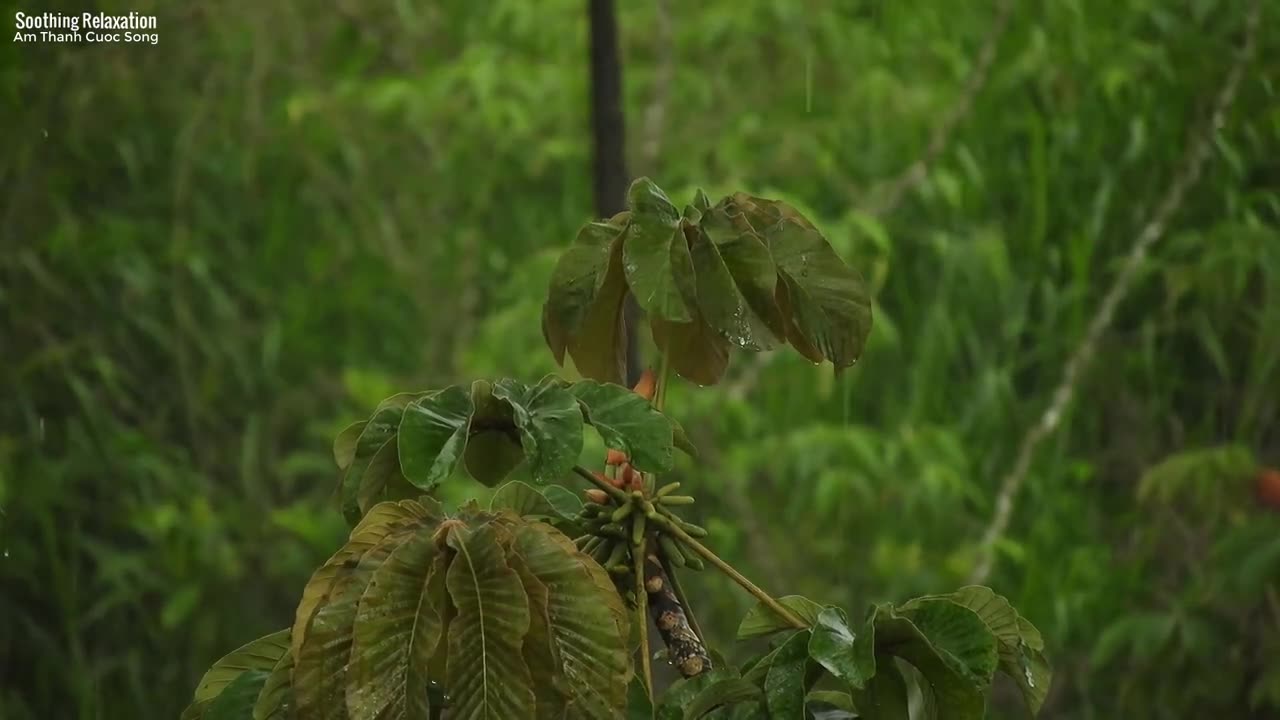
761	620
655	254
433	434
550	425
628	422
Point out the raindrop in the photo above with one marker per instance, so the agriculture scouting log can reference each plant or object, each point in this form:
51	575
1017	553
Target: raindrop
6	552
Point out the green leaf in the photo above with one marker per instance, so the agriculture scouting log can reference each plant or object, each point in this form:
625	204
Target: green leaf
236	701
639	706
885	696
736	283
629	423
839	700
261	654
433	434
488	678
381	480
786	680
599	348
1018	641
565	502
588	623
828	300
523	500
395	633
681	693
846	656
655	254
695	350
701	202
493	445
959	696
958	632
550	424
728	691
577	284
761	620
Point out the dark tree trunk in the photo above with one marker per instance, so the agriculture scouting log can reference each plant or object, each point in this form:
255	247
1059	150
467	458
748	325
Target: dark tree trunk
608	128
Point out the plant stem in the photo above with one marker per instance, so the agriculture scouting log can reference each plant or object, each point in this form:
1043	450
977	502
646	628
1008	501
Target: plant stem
778	608
613	492
642	612
678	591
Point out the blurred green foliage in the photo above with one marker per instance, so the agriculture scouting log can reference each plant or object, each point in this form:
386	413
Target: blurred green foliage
219	250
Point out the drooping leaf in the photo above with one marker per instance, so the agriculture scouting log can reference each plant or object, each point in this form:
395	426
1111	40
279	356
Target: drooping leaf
320	668
787	680
599	347
846	656
655	254
487	675
433	434
372	528
958	695
381	480
577	284
885	696
736	283
493	444
344	446
694	349
761	620
277	692
550	425
628	422
588	624
260	654
828	300
523	500
541	654
235	702
395	632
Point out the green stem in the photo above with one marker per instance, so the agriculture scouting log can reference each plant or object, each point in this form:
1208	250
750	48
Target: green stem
778	608
682	597
613	492
642	613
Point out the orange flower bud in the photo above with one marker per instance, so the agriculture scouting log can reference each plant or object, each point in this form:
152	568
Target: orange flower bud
1268	488
596	495
644	388
631	479
615	457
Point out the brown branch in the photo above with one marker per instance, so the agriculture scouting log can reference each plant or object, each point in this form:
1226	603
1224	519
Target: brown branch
687	651
1193	164
917	172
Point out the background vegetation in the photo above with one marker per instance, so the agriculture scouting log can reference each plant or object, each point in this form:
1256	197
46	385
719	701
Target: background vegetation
219	250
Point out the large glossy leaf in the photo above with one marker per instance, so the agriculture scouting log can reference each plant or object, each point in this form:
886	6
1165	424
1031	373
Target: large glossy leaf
628	422
577	284
846	655
588	624
550	425
433	434
493	445
736	282
958	695
761	620
541	654
655	254
395	633
724	692
487	675
363	458
599	348
261	654
381	481
828	300
682	693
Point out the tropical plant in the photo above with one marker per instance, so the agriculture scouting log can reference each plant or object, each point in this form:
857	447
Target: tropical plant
537	605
